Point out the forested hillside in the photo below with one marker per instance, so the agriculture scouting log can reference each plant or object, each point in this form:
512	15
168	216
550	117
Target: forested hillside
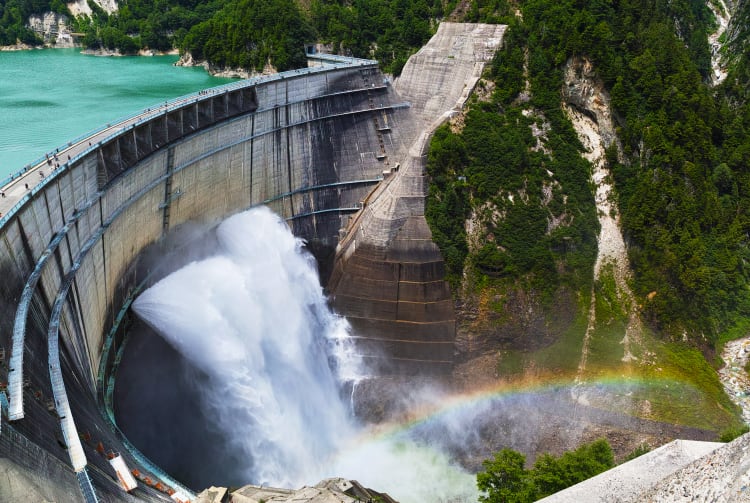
512	204
681	176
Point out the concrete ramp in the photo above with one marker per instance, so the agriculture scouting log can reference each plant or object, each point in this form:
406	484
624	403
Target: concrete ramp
389	277
723	475
630	481
440	77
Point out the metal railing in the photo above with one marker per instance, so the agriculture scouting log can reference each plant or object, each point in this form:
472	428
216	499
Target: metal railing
87	488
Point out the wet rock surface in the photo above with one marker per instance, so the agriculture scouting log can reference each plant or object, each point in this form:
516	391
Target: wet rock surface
721	476
734	377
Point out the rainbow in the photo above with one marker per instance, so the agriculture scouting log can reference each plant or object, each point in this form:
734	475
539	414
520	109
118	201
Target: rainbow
508	392
448	432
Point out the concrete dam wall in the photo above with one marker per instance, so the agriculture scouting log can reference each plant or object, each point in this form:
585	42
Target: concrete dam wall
389	278
315	145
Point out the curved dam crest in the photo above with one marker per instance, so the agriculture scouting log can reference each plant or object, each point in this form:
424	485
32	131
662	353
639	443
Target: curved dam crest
334	149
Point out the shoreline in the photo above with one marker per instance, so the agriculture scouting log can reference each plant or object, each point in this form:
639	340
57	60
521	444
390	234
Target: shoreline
184	60
116	53
88	52
187	60
19	47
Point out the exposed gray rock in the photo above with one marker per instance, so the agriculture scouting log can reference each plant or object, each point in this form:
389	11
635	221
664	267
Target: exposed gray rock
81	7
232	73
721	476
585	91
52	28
212	495
334	490
680	471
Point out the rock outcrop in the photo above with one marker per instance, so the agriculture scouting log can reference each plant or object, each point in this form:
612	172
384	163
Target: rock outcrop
629	481
680	471
721	476
587	104
52	28
81	7
231	73
334	490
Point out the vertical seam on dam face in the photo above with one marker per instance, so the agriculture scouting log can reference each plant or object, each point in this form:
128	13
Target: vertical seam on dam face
252	147
288	147
79	319
168	189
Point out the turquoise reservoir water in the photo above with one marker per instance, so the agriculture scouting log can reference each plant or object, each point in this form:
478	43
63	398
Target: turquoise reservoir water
51	96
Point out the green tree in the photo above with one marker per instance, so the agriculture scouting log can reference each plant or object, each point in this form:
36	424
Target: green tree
552	474
505	480
731	433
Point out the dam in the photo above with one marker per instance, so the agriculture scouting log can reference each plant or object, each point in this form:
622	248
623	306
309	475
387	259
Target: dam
336	149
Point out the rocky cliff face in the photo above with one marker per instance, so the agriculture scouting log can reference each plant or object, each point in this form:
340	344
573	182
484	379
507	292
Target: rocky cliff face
81	7
52	28
513	315
586	102
722	11
585	93
736	13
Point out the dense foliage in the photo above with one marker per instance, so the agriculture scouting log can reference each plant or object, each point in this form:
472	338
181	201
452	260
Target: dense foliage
393	27
505	478
229	34
14	15
531	192
143	24
250	33
682	180
682	189
731	433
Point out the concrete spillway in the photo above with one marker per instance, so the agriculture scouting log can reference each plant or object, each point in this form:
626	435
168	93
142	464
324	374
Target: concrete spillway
314	145
389	276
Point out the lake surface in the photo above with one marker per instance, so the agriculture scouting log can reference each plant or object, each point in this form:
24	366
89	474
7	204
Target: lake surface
51	96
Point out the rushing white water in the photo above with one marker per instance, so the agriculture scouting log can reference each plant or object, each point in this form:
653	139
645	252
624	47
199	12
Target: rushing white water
253	318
